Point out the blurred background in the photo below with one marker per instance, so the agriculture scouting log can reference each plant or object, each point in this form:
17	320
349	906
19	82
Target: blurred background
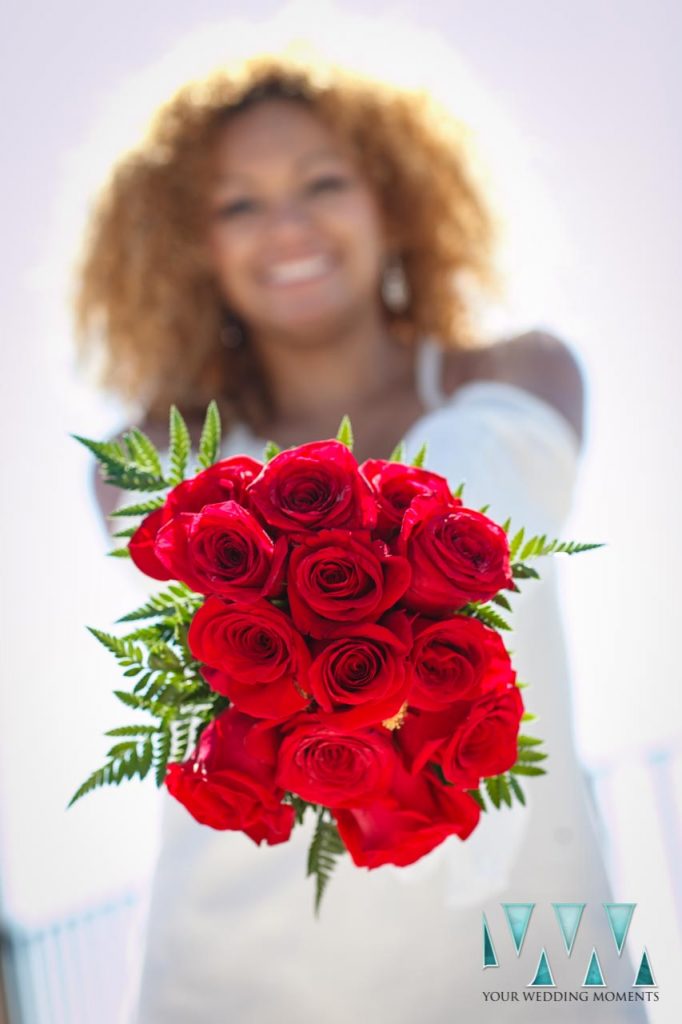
578	107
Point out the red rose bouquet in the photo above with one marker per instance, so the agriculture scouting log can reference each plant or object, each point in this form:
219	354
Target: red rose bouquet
329	639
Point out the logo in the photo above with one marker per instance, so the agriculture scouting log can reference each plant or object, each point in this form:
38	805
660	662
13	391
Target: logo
584	971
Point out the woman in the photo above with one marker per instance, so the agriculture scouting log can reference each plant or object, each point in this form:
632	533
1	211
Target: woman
300	244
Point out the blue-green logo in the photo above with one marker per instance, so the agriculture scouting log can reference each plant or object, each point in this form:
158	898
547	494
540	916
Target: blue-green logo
569	917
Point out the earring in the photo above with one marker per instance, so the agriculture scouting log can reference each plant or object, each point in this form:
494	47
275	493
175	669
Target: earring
395	290
231	333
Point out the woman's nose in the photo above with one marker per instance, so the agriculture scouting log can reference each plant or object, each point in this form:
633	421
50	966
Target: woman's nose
288	217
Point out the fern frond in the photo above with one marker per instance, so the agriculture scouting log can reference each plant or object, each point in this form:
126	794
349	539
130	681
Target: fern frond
398	453
419	458
209	443
179	446
325	847
345	432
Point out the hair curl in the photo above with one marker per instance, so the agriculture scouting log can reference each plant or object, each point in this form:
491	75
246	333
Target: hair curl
145	296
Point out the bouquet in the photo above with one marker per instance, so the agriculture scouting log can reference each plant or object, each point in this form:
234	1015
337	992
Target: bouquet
328	640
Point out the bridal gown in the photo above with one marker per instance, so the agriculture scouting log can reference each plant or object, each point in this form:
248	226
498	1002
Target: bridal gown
231	937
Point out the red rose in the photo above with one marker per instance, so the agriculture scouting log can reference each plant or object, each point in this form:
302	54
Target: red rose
337	577
141	545
456	658
363	677
457	555
325	764
256	656
313	486
395	485
224	480
222	550
488	741
417	815
469	741
222	785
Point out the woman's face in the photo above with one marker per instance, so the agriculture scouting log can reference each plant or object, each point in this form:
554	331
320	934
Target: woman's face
296	236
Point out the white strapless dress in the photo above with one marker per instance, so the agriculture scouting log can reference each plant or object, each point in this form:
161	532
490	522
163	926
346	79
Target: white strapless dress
231	935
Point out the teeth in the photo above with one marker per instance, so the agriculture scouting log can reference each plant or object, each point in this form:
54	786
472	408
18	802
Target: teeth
298	270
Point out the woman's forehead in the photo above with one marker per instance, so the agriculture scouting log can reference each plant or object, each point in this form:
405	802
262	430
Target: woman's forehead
276	130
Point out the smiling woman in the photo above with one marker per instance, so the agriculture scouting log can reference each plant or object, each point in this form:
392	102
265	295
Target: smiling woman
296	232
263	203
299	243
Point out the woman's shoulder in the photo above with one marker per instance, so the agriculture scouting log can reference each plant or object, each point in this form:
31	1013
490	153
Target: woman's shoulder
536	361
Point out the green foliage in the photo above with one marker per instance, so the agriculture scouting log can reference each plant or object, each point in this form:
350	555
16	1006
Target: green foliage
504	788
165	683
398	453
538	546
177	599
128	470
141	508
419	458
119	553
209	442
271	449
325	847
179	446
459	491
345	432
300	806
487	615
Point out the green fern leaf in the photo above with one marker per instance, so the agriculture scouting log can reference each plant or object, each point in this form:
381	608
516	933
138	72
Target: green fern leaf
325	847
419	458
476	794
209	443
140	509
161	754
527	769
398	453
486	614
271	449
345	432
179	446
516	790
100	777
515	544
143	451
119	553
524	572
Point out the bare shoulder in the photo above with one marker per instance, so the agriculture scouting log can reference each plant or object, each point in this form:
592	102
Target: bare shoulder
539	362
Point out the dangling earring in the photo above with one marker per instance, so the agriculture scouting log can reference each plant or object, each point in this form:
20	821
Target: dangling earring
231	332
395	290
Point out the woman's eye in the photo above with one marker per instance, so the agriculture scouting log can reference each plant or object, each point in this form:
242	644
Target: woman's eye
236	207
328	183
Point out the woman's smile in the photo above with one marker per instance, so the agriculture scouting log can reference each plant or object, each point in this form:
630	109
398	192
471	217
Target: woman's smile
303	270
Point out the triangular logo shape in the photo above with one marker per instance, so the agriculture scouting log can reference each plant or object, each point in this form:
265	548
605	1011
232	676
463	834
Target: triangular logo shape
645	976
619	915
518	916
543	974
489	954
568	915
594	977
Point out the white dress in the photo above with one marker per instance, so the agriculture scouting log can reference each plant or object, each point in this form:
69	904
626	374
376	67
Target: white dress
231	935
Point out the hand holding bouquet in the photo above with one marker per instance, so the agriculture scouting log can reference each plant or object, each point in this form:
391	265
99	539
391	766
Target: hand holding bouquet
329	640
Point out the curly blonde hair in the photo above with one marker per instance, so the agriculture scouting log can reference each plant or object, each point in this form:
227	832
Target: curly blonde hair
145	296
